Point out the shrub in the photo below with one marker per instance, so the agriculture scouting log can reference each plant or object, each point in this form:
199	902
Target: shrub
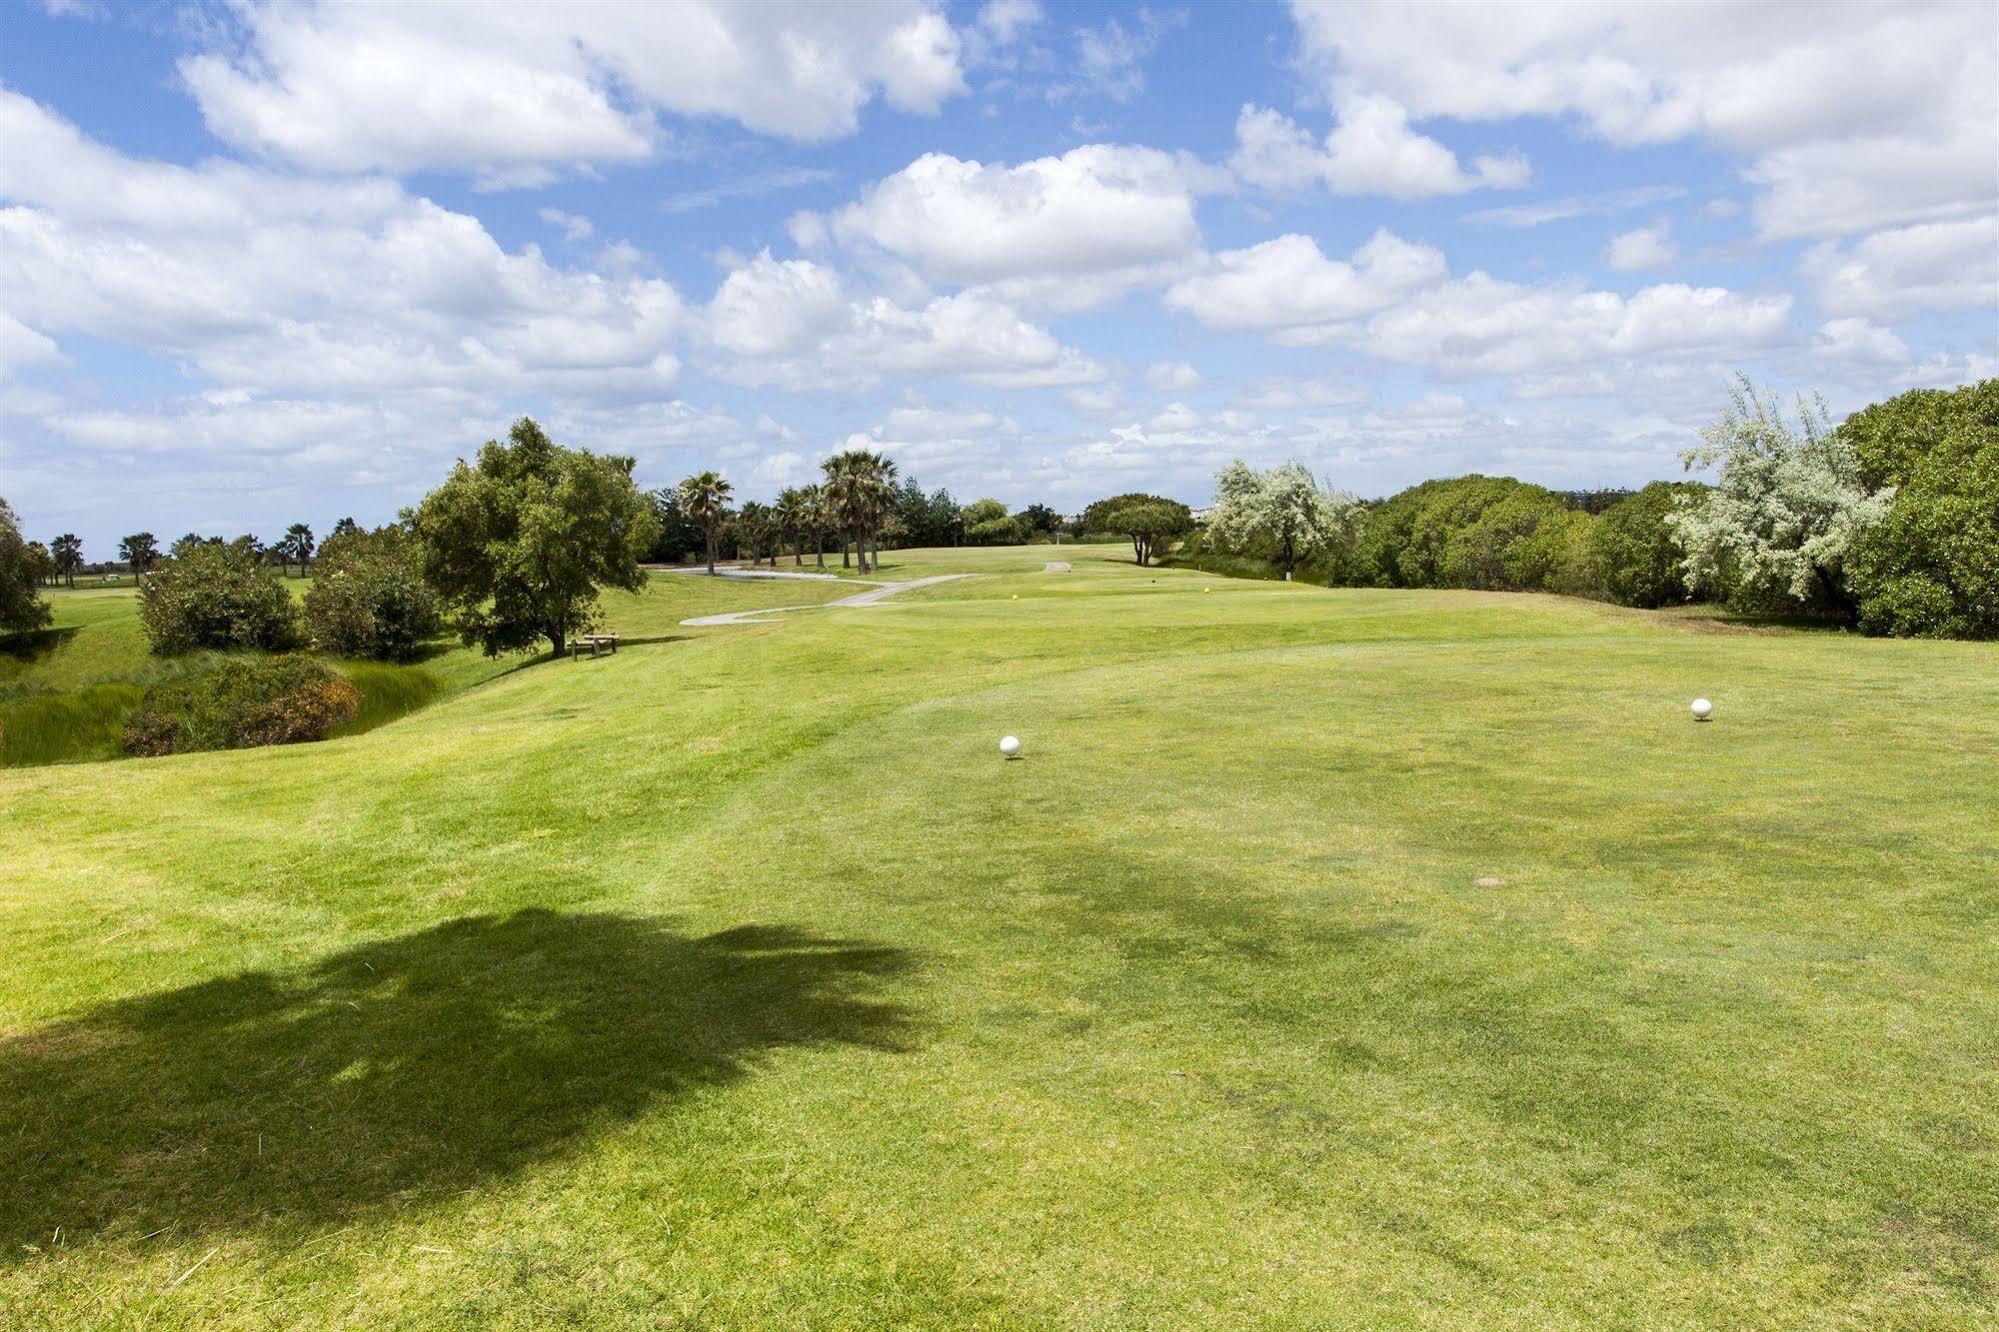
1785	512
213	596
987	523
370	599
1282	514
21	604
1489	532
1891	439
1556	557
1633	551
242	703
1930	567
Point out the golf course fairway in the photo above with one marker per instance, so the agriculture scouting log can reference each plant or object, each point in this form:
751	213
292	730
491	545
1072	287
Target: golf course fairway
1360	959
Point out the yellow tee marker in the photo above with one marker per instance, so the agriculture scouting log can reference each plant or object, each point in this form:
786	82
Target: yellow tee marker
1016	596
1207	589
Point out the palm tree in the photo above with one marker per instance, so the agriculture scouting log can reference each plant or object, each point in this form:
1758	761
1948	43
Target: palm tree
860	489
704	497
753	527
346	527
881	501
791	520
817	518
67	551
860	486
298	545
141	550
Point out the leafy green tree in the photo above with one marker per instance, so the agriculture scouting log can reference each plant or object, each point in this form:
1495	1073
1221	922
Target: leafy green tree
1930	567
927	519
1282	513
1489	532
141	550
1527	540
21	604
1150	522
1892	439
1039	520
1785	511
210	595
679	535
67	551
370	598
987	523
43	563
704	497
1633	549
518	545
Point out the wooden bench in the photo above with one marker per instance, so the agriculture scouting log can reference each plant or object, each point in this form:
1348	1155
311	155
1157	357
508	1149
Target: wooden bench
595	642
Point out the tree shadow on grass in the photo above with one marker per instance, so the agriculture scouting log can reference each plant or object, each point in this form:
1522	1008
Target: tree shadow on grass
29	646
403	1068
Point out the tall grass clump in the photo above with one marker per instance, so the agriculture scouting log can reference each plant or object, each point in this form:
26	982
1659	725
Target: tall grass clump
387	691
66	728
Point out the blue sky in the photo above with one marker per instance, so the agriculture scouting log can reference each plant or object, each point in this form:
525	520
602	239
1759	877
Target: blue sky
262	264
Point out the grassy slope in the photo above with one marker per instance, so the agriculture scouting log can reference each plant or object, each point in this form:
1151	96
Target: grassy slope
66	692
735	978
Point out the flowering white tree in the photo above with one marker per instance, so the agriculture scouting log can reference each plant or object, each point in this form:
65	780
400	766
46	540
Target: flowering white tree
1283	512
1786	507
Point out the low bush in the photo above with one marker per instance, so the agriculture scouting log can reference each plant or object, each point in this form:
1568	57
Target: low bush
370	599
1633	551
1489	532
212	596
244	702
1930	567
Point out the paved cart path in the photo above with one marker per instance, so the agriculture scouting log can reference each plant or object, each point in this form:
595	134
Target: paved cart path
867	598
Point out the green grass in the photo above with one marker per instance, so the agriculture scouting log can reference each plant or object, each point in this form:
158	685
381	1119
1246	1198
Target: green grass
734	981
66	692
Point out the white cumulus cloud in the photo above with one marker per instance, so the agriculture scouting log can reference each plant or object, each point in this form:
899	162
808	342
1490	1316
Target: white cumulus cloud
1871	113
514	88
1371	150
1644	247
1288	283
1095	208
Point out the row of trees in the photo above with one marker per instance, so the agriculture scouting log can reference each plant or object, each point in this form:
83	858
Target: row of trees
61	560
1888	522
859	504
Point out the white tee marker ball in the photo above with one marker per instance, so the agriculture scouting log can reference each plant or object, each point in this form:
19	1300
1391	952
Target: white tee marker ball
1010	745
1702	708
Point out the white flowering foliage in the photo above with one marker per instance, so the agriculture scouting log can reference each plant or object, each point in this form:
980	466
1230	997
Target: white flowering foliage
1786	507
1283	513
